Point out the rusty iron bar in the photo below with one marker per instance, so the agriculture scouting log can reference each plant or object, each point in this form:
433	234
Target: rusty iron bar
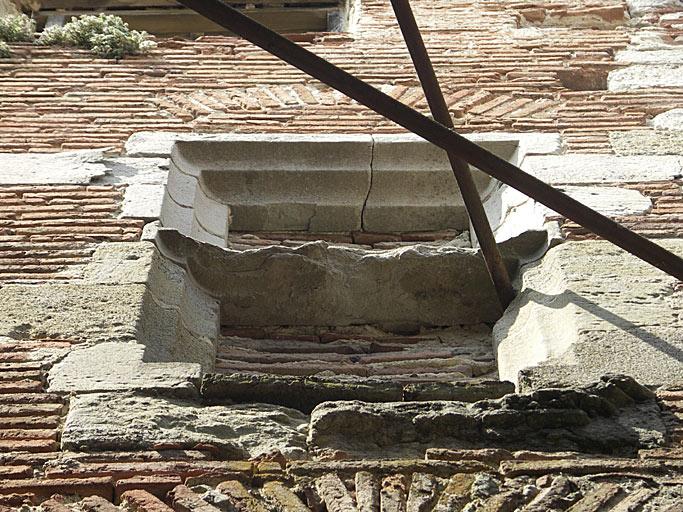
437	134
461	169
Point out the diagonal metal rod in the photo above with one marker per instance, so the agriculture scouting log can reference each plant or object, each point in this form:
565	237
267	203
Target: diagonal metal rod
437	134
461	169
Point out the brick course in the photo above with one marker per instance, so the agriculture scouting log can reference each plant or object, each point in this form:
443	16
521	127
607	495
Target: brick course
495	77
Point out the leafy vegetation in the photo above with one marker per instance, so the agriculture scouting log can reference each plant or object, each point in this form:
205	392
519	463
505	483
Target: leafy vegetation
5	52
106	35
17	28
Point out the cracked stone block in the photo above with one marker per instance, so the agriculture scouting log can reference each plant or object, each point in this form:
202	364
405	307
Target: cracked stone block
120	421
278	182
413	186
589	308
120	367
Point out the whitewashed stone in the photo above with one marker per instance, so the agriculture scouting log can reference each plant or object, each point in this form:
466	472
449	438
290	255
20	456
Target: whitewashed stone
643	7
647	142
538	144
642	76
611	201
667	55
119	421
584	168
142	201
669	120
69	167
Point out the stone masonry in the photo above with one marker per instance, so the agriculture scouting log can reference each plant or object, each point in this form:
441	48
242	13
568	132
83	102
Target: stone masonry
225	287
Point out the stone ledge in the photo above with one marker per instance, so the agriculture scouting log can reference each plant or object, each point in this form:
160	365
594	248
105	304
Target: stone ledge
255	286
326	183
119	421
304	393
614	416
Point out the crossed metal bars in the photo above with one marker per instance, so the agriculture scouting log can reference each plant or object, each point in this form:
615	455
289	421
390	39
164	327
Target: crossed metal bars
439	132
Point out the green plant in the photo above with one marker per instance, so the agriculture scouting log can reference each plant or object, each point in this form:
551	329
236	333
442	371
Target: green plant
52	36
17	27
106	35
5	52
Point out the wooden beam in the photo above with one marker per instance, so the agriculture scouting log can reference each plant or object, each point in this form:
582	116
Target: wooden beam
166	22
139	4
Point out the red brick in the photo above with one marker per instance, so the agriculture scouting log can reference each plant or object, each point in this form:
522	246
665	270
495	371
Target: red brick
15	472
123	470
16	500
97	504
157	485
30	410
29	445
21	434
43	488
142	501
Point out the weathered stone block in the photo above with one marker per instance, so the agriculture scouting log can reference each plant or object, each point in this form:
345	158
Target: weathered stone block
590	308
69	167
85	312
322	284
413	186
119	367
577	169
119	421
279	182
599	418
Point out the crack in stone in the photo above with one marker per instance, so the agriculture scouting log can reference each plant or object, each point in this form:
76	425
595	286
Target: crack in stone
372	172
